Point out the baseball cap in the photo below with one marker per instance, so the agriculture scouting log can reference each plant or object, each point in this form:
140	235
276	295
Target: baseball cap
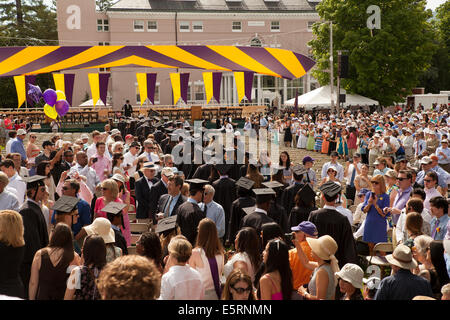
308	159
426	160
363	192
307	227
115	131
128	136
84	136
21	132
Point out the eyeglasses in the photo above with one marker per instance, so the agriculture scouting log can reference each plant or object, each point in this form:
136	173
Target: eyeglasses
401	179
34	137
241	290
427	180
374	182
65	188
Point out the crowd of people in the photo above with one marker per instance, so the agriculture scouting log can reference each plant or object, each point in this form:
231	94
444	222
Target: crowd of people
246	229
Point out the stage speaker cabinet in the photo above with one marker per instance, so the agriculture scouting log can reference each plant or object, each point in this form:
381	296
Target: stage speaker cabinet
196	113
342	98
343	67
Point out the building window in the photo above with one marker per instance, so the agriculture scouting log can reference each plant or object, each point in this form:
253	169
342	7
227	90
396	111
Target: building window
275	26
293	86
255	42
138	95
310	24
104	69
199	91
138	25
184	26
102	25
152	26
103	43
236	26
197	26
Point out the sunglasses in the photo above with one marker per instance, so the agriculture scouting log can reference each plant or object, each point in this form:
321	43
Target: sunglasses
65	188
34	137
105	189
374	182
427	180
241	290
401	179
121	158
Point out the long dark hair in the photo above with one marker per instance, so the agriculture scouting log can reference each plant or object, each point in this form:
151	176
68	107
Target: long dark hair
116	157
94	252
270	230
62	239
40	169
248	242
207	238
288	160
152	247
437	259
278	260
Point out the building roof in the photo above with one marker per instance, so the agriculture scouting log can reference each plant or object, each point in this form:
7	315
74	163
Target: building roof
214	5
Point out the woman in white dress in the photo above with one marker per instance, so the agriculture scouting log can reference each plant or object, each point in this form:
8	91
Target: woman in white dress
302	137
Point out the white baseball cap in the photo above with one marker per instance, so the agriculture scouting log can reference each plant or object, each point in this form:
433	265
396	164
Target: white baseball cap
21	132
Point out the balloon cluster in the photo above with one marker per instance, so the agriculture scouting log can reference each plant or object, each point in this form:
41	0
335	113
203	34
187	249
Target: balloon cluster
55	101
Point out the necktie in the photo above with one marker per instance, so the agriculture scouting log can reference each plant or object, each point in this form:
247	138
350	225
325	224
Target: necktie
352	180
206	209
167	210
434	231
307	177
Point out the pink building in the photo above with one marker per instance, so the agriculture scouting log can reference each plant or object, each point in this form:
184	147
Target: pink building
282	24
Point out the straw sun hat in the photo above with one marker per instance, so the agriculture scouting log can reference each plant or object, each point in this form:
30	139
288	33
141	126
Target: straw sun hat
402	257
102	227
324	247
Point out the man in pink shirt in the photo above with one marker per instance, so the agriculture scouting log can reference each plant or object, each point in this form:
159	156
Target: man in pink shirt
351	142
100	162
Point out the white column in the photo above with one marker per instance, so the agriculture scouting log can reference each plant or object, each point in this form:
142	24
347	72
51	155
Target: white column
233	86
258	79
284	91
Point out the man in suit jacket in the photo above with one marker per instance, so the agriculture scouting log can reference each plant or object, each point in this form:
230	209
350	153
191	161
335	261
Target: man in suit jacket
159	189
35	227
168	203
142	190
225	191
259	216
189	213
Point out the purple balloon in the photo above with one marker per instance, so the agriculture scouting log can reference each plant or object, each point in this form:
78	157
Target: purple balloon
62	107
50	97
34	92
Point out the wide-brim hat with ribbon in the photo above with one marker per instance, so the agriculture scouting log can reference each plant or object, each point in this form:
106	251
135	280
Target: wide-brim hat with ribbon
101	227
402	257
323	247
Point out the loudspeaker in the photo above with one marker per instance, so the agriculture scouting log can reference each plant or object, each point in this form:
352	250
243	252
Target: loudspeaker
343	68
342	98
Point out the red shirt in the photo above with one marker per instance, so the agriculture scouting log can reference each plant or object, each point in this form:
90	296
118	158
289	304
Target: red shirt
351	141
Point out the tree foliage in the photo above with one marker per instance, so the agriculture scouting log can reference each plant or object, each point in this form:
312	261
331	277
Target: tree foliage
384	64
32	25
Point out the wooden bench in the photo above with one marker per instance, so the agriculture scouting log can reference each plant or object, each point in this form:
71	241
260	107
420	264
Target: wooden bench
139	227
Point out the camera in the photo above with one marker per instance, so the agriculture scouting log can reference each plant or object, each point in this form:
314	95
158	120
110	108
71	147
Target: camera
289	236
94	160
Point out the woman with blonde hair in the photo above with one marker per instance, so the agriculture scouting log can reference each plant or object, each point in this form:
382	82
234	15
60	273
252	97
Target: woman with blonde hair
208	258
238	286
374	203
322	285
391	179
110	191
12	250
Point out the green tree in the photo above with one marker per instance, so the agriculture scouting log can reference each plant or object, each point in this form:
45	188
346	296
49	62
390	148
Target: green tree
384	64
31	23
437	77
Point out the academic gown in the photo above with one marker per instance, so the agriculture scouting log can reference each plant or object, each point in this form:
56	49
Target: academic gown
243	170
156	192
202	172
336	225
288	196
159	135
225	195
188	217
236	215
298	215
35	236
120	241
278	214
255	220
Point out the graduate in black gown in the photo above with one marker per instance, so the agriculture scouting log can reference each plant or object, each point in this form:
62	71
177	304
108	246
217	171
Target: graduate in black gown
304	204
114	215
288	195
225	191
276	211
329	221
256	217
35	227
244	200
189	213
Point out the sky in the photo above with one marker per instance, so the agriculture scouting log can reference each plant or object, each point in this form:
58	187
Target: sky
431	4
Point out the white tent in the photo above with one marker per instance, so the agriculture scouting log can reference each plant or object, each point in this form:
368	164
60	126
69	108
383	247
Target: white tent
90	103
321	98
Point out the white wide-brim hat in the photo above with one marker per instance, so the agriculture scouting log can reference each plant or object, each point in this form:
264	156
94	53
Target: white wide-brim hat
101	227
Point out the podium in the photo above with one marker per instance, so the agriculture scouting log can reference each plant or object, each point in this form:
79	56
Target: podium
196	113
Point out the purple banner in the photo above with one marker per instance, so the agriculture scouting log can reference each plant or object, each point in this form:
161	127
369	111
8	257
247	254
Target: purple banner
151	87
296	102
248	80
69	80
217	80
29	80
184	86
103	86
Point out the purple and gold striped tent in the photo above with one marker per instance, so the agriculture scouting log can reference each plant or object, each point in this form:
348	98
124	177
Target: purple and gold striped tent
281	63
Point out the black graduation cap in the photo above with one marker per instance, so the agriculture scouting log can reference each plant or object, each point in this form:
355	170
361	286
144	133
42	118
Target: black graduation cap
114	207
196	184
65	204
249	210
245	183
166	224
307	193
273	184
264	194
330	189
299	170
34	181
223	168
